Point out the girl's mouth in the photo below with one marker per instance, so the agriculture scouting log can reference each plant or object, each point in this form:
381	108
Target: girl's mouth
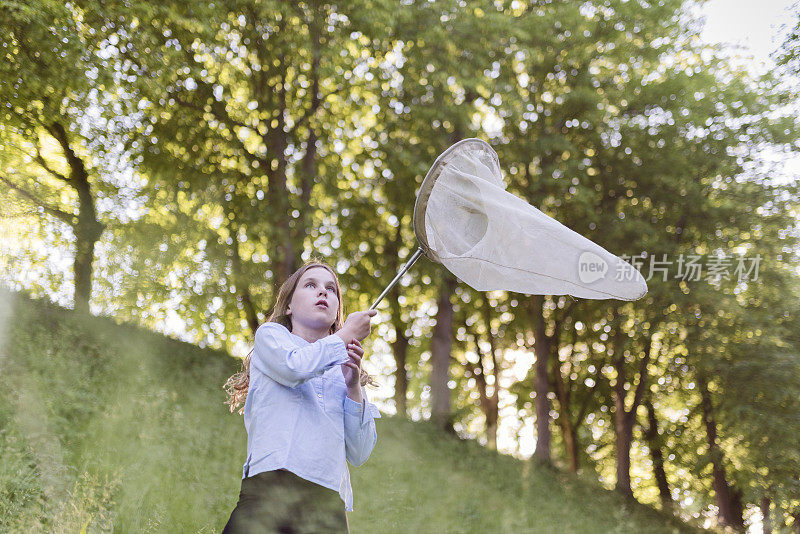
322	305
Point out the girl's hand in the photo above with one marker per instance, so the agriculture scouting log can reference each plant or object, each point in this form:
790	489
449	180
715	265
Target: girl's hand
357	325
352	369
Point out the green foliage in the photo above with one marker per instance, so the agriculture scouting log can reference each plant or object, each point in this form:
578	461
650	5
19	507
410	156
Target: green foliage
789	54
110	425
147	445
479	491
20	492
262	132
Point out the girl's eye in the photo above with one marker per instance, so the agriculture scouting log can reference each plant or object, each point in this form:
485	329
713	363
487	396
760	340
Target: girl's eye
330	288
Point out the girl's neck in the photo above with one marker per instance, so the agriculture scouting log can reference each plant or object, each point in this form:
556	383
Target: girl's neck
309	334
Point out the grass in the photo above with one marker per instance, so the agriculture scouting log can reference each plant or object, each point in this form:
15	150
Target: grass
107	427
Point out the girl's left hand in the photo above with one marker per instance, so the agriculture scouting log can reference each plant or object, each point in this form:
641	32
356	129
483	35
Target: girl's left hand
352	369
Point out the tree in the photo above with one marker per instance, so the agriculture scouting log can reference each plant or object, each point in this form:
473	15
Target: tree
53	73
240	106
789	53
425	101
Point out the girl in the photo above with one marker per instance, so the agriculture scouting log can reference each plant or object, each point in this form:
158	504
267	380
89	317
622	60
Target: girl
305	410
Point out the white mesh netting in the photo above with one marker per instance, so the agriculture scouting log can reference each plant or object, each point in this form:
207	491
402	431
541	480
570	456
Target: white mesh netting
493	240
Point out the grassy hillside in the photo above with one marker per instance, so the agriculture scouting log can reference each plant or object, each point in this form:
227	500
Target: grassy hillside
111	426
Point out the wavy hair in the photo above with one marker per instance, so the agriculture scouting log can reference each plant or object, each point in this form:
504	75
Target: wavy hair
237	385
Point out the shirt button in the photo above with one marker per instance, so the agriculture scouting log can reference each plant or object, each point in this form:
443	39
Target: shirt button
319	395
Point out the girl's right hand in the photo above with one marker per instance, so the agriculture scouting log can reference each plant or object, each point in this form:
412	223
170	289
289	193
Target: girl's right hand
356	326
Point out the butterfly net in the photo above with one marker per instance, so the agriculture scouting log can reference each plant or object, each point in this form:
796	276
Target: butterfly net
493	240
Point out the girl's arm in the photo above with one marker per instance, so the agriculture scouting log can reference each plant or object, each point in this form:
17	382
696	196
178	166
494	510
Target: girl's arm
360	434
276	355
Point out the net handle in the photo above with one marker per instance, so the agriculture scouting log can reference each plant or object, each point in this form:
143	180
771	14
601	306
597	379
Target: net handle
396	279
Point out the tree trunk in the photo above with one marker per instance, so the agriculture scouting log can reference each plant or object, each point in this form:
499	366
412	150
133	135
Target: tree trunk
563	385
623	422
624	419
400	351
541	384
243	294
401	342
489	403
623	427
441	344
765	517
493	408
82	267
87	228
307	181
479	372
309	172
570	435
653	439
723	494
282	255
491	431
737	505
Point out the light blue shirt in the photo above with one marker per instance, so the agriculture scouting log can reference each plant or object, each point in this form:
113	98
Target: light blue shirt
297	413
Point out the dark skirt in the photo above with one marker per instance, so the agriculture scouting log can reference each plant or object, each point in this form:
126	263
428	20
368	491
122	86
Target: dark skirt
280	501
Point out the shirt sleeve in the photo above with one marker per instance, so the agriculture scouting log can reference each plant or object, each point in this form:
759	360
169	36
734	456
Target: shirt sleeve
277	356
360	434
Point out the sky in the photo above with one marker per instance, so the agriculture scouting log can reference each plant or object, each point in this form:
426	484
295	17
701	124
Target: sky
753	25
754	30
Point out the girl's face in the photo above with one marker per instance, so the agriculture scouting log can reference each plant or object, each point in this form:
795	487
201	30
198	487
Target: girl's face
314	303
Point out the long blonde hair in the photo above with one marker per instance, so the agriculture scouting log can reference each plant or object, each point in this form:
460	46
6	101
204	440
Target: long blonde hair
237	385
